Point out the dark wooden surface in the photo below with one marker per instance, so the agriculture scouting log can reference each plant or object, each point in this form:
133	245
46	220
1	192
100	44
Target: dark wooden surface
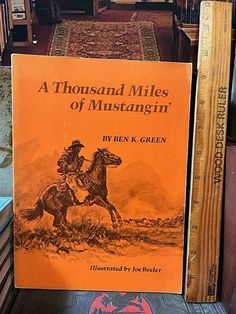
229	256
85	6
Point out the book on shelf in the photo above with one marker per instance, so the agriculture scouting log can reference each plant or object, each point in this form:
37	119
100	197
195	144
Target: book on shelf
6	235
5	23
6	211
6	268
6	251
18	6
188	11
7	290
19	16
100	173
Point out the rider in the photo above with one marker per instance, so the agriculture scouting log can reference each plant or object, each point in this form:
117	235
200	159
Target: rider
70	163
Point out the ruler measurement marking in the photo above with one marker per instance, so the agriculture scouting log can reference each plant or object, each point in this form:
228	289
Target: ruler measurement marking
205	194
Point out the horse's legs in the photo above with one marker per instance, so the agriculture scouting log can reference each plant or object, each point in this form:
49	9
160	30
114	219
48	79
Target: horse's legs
104	203
52	204
70	198
117	214
57	218
64	213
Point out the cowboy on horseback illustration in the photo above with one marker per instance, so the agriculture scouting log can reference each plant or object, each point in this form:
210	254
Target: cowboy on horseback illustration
70	164
57	197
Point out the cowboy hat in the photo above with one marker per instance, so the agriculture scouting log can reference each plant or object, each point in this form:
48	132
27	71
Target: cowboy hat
76	143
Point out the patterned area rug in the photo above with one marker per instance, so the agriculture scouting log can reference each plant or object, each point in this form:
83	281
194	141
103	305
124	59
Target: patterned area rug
110	40
161	19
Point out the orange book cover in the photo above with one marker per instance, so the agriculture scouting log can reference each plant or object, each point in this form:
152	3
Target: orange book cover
100	160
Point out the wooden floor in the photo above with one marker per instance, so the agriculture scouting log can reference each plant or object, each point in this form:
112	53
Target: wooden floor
79	302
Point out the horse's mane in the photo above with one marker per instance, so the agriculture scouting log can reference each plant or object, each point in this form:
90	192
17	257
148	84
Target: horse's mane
95	156
98	151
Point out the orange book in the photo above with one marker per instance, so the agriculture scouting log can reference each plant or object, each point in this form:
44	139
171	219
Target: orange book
100	158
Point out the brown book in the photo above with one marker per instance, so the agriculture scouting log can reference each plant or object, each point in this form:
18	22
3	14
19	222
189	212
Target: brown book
229	256
6	269
6	211
7	292
5	252
5	235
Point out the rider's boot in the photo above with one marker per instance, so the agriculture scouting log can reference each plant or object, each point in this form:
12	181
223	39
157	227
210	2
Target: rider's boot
89	200
77	202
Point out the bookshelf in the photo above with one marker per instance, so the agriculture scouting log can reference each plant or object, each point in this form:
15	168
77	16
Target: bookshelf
48	12
185	29
22	23
5	24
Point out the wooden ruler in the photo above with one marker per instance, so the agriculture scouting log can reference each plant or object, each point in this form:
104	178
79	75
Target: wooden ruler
208	151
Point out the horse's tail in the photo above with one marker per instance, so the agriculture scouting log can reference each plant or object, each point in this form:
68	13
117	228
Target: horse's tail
30	214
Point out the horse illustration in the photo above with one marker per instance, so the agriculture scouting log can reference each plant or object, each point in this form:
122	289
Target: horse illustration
52	201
